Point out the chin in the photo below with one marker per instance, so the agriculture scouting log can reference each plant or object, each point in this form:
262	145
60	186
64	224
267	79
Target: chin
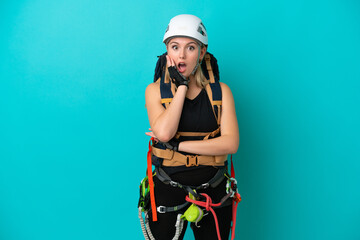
186	75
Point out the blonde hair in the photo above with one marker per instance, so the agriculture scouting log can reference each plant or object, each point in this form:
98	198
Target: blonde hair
200	79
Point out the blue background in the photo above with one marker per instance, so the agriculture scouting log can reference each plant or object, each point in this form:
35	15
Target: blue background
72	142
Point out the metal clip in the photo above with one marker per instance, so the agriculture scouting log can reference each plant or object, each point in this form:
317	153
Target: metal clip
161	209
173	184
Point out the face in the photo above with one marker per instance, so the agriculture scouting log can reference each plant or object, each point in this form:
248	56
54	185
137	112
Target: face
184	52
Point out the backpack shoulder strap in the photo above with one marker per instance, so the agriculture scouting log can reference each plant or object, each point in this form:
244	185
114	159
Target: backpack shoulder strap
214	93
213	90
167	90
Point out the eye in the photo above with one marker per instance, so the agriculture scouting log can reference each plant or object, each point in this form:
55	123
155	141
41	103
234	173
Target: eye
174	47
191	48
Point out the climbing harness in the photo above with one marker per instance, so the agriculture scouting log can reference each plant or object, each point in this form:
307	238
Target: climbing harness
195	211
197	204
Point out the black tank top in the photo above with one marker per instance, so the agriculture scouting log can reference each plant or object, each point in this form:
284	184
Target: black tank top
197	116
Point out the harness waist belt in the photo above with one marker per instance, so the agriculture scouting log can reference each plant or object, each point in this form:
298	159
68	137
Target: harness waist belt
174	159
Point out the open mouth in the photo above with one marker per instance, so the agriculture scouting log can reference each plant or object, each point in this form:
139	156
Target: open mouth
181	67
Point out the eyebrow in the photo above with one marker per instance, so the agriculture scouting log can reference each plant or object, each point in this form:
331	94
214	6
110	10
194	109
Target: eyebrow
186	44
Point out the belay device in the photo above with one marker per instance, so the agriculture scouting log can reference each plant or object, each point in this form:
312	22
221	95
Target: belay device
159	156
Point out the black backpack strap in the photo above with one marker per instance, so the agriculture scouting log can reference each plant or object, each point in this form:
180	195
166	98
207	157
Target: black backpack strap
167	89
160	66
213	89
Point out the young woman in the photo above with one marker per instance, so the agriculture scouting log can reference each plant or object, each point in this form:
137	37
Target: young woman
190	111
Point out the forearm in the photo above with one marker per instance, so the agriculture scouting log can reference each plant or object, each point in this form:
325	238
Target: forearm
166	125
216	146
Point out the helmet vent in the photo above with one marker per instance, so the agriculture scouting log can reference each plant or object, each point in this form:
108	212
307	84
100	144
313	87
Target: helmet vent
201	31
203	25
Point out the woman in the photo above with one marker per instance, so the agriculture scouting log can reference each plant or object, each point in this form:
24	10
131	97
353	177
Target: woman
190	111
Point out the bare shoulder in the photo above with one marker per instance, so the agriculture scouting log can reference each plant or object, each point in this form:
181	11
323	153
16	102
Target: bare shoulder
152	90
225	89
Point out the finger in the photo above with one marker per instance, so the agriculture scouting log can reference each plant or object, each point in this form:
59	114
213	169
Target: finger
170	61
151	134
173	63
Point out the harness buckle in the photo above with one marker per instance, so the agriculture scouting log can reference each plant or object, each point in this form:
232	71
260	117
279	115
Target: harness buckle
205	185
173	184
192	160
161	209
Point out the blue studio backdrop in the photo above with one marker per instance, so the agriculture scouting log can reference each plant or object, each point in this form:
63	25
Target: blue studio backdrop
73	119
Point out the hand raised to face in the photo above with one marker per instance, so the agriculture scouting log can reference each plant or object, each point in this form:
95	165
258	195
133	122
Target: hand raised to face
176	77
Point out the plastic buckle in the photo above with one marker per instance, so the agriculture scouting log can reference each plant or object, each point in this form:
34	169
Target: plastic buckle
205	185
161	209
191	160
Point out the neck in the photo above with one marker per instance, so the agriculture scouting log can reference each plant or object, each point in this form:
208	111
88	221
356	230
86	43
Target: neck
192	83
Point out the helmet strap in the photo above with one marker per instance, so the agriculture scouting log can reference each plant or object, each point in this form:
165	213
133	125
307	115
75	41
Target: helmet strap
197	61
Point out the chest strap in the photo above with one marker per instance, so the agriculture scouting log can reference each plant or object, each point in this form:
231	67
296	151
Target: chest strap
174	159
205	135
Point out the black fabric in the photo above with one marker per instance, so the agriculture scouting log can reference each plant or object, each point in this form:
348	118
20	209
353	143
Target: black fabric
197	115
166	195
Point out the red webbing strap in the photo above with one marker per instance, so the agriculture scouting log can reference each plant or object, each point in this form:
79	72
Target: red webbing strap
151	183
234	210
208	206
237	199
232	168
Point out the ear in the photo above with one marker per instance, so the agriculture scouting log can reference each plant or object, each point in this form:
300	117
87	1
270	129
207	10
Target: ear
202	52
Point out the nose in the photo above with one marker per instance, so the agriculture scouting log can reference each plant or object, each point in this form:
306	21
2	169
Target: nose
182	54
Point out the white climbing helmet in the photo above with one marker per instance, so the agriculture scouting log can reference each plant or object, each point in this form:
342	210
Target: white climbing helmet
186	25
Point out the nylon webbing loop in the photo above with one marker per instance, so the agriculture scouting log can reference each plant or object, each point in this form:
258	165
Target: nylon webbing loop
163	209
